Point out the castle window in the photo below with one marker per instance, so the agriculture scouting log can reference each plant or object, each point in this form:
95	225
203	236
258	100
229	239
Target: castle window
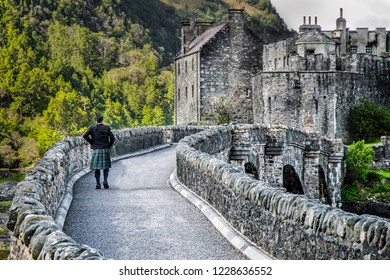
369	50
186	67
178	69
193	90
178	94
193	65
276	63
310	51
186	92
269	105
297	84
353	49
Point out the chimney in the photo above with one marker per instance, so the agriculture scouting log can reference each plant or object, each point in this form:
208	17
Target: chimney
341	12
304	20
315	20
202	26
185	36
309	20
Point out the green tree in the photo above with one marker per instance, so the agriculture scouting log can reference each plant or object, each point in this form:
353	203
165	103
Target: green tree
368	122
65	113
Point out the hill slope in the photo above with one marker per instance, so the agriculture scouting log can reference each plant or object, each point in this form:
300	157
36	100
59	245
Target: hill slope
62	60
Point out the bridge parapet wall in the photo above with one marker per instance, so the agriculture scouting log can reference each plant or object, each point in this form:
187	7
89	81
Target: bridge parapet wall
35	232
286	225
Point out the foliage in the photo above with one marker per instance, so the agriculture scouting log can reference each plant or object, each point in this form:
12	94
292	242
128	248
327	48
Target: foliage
60	60
267	23
358	162
368	122
361	182
223	109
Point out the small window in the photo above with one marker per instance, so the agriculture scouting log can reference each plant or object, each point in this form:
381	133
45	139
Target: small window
193	90
269	105
193	65
186	93
178	94
353	49
297	84
178	69
369	50
310	51
186	67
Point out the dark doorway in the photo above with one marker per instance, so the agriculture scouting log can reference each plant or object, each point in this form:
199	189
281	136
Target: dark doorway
324	193
291	180
251	169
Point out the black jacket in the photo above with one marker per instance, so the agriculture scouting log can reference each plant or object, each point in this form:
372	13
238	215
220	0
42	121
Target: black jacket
99	136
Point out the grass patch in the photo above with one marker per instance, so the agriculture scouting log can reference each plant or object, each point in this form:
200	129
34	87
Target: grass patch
16	178
385	174
4	206
376	187
6	203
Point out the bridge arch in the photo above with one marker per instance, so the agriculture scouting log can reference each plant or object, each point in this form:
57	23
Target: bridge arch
291	181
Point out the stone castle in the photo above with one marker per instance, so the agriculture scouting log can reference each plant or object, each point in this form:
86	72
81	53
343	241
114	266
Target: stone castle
309	81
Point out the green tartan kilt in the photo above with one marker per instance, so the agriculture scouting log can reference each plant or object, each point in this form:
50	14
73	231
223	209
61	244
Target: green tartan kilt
100	159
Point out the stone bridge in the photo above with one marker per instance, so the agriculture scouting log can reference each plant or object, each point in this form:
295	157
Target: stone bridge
285	206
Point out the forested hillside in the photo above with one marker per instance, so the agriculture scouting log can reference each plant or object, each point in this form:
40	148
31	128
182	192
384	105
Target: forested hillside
63	60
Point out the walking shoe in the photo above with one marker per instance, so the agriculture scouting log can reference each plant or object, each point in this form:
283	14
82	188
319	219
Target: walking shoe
106	185
98	187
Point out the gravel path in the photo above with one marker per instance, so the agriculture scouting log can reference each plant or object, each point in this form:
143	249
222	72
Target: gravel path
141	217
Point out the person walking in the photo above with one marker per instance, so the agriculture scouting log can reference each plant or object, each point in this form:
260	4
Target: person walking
101	140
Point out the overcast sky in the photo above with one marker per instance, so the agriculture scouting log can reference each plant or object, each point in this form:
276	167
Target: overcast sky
358	13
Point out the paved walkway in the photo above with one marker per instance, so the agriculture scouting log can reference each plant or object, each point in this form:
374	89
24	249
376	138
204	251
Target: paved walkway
141	217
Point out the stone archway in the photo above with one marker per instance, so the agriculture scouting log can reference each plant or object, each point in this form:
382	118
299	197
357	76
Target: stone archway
251	169
291	180
323	187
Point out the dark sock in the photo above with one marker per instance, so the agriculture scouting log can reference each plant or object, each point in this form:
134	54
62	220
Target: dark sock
97	177
105	175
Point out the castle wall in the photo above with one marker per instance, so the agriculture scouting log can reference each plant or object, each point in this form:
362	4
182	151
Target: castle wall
226	66
187	97
313	101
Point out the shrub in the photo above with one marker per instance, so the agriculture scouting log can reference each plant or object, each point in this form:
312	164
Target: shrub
358	162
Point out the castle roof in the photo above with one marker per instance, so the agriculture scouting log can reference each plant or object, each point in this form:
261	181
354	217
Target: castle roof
314	36
197	44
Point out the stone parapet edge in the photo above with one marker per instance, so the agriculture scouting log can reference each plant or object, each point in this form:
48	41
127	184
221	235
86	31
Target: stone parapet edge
68	196
241	243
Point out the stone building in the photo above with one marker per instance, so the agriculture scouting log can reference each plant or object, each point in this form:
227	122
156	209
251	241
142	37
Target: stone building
309	81
216	66
312	80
